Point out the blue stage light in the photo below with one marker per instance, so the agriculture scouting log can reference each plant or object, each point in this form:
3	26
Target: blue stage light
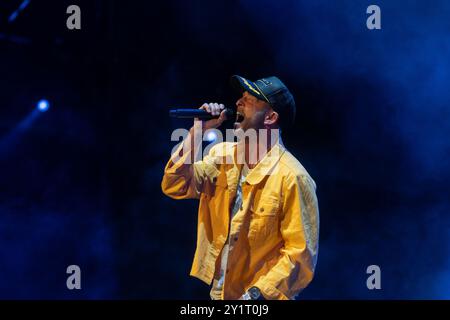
43	105
211	136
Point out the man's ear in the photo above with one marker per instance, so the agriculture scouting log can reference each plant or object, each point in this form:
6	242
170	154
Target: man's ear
271	118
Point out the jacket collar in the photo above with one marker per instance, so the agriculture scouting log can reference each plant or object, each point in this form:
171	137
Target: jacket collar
264	167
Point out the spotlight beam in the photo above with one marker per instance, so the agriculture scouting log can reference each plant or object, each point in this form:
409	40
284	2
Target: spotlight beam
11	138
16	13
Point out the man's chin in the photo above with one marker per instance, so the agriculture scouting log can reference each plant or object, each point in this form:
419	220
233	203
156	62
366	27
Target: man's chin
238	128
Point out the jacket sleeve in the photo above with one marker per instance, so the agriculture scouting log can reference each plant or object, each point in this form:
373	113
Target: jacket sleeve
183	179
299	228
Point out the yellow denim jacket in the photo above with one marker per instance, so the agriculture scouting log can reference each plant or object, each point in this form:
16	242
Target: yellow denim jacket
274	235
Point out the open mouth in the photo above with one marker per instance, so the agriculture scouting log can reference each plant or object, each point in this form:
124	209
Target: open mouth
239	117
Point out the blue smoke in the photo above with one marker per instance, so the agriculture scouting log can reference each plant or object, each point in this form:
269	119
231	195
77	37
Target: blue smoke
386	91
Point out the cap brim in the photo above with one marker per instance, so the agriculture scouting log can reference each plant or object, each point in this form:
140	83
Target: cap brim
241	84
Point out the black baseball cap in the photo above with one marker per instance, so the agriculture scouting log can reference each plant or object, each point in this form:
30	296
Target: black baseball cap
273	91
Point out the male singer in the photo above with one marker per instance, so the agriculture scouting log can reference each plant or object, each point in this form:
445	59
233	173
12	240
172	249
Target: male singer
258	219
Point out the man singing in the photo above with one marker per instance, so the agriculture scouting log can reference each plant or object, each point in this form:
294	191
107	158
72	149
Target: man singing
258	217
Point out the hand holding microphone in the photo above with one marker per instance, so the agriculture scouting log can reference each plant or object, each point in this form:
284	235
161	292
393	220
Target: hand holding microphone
215	110
212	114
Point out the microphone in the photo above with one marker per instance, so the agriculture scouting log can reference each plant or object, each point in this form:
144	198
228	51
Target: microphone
198	113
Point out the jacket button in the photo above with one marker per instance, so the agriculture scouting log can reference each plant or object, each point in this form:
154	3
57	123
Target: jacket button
241	208
262	209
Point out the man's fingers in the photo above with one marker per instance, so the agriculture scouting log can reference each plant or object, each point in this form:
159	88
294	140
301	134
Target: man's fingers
220	107
213	108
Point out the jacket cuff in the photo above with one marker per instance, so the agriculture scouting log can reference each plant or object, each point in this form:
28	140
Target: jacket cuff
270	292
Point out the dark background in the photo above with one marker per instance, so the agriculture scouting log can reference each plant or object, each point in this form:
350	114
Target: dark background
80	183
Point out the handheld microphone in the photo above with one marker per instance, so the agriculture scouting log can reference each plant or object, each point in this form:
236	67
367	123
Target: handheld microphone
198	113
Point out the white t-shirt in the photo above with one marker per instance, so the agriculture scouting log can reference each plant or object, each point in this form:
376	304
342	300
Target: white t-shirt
237	204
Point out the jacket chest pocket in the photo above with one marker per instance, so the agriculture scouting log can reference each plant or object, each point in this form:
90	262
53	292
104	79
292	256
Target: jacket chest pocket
263	223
